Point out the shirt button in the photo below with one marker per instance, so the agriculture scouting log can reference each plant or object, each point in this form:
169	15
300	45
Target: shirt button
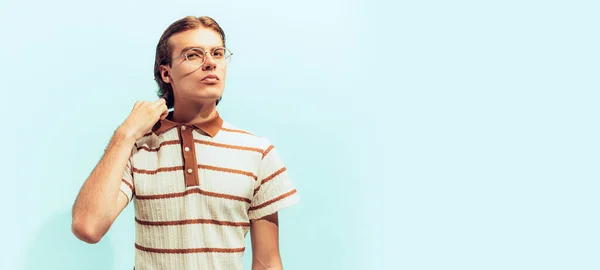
189	170
187	149
182	127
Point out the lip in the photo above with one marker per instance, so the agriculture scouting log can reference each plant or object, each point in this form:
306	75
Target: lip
210	77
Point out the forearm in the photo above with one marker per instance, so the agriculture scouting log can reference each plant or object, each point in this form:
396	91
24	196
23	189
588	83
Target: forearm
270	264
96	204
265	243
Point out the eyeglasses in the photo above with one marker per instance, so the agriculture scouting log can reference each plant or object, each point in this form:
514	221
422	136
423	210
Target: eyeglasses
196	56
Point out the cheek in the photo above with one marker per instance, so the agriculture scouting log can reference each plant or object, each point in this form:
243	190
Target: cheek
223	73
187	76
178	74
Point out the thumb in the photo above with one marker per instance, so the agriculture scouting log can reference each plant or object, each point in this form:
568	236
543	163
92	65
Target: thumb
164	115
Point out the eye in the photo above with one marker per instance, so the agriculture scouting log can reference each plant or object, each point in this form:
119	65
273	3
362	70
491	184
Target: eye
195	54
218	53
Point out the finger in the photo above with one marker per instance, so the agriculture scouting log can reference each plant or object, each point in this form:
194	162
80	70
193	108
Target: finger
159	102
145	104
164	111
164	116
137	104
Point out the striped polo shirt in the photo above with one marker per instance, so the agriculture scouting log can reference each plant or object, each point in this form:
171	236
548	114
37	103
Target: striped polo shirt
195	189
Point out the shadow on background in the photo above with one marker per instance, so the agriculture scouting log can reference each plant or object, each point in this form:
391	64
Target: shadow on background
55	247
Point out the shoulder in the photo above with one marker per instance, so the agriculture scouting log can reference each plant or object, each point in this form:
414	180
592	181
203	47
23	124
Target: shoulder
242	137
149	142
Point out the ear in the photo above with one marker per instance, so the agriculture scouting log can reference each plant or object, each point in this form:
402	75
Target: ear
165	74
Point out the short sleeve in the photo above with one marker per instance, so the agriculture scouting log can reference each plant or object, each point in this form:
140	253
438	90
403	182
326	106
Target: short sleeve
274	189
127	186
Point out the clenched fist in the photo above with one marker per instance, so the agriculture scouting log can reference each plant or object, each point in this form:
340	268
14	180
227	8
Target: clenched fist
142	118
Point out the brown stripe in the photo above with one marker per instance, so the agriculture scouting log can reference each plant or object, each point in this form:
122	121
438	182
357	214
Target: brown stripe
220	169
176	142
267	151
273	175
201	166
237	147
192	221
190	250
127	183
236	130
193	191
159	146
272	201
164	169
269	179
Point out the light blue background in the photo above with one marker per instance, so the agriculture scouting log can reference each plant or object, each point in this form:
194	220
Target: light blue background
420	134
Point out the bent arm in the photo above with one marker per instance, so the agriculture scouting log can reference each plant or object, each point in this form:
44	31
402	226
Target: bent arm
100	200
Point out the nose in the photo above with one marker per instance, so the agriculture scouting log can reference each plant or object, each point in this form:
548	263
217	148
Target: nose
209	62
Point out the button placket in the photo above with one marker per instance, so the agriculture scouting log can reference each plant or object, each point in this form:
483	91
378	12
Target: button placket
190	165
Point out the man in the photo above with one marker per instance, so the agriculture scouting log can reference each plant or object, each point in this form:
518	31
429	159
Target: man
198	184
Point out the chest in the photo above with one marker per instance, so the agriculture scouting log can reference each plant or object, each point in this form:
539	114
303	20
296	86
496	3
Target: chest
175	175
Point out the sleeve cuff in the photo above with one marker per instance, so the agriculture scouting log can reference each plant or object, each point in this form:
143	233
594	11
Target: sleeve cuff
274	205
127	189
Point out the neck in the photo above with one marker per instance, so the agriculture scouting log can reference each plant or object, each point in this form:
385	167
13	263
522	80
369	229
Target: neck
193	113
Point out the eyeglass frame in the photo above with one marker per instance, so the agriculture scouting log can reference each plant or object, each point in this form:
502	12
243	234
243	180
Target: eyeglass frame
204	57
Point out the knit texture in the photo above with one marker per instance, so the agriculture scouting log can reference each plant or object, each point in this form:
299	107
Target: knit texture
194	195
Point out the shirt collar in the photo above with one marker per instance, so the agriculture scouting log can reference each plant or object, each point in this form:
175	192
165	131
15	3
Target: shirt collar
210	127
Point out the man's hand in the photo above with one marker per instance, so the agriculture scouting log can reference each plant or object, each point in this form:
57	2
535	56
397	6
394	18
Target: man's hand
142	118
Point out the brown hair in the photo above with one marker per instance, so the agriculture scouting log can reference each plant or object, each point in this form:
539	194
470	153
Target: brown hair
164	51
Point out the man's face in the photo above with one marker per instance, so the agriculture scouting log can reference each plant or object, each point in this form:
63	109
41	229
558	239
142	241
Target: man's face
189	82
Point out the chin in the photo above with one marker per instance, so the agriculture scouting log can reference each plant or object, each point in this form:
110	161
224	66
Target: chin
215	91
207	98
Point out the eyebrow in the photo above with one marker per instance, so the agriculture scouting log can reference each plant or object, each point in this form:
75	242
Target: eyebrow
196	46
